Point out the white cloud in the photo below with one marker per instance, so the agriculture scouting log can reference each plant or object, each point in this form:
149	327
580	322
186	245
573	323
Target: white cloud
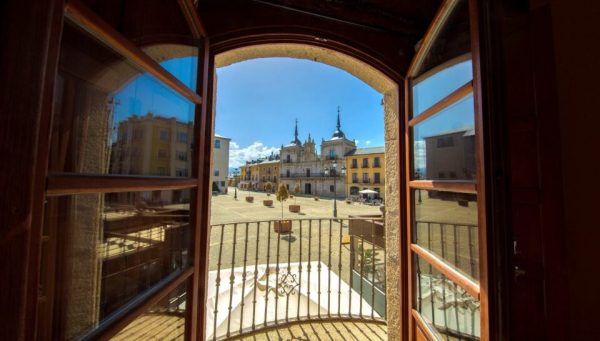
357	142
238	156
368	142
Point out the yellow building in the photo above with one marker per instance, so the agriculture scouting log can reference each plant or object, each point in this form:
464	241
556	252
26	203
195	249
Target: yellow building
256	174
365	169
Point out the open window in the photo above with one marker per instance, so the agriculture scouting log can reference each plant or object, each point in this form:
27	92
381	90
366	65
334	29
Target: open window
119	237
445	229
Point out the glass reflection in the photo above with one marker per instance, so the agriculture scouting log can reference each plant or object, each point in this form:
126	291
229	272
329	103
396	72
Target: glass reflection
164	321
111	117
444	144
114	247
446	224
452	41
437	86
444	305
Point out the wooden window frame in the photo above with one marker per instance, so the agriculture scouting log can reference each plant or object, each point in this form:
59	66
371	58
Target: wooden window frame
477	290
59	184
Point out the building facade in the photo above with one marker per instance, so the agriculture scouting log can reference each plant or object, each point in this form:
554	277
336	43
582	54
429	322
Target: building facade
450	156
315	173
153	145
365	169
220	163
256	174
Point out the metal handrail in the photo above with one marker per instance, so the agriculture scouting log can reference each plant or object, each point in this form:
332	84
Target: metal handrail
305	274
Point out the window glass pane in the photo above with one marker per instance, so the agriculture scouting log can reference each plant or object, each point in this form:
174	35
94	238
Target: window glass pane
444	144
164	321
110	117
440	84
113	247
444	305
446	224
180	60
452	41
446	65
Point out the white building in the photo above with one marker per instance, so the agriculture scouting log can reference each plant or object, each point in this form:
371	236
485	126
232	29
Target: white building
300	164
220	163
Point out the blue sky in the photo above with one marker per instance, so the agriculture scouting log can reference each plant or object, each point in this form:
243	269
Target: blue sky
258	101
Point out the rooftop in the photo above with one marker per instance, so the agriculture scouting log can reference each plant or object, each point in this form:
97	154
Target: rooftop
366	151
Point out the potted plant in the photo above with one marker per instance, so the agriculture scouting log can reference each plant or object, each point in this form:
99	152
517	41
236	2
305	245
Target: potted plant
282	226
295	208
268	187
249	198
348	201
316	198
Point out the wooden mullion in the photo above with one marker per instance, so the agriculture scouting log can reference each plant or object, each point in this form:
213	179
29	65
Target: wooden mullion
424	326
66	184
193	19
444	103
482	203
445	185
432	32
89	21
201	212
463	281
117	321
408	322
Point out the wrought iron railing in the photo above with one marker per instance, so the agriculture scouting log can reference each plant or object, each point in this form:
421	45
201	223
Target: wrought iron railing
266	274
449	308
311	175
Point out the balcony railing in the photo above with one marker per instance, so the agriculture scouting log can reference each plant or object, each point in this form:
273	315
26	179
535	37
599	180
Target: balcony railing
317	271
311	175
366	181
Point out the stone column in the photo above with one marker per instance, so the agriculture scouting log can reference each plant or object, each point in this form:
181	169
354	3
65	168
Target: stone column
392	213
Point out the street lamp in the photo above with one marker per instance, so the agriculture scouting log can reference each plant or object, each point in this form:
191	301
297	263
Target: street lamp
235	174
333	172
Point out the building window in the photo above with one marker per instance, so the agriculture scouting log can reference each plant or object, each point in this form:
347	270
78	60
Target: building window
138	133
354	178
181	172
377	178
447	141
218	144
288	158
307	172
164	135
216	172
182	137
365	163
182	155
161	171
287	173
354	163
162	154
365	177
332	155
274	179
331	189
376	162
222	183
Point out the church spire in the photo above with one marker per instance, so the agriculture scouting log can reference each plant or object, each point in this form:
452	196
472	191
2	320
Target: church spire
338	134
296	131
296	141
